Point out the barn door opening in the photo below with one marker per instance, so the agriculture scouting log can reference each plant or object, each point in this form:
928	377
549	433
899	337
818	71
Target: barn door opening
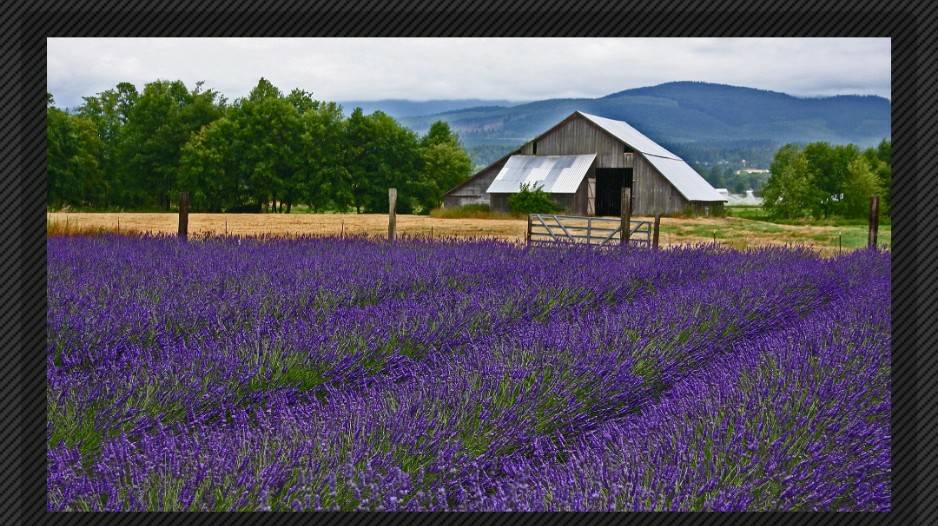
609	184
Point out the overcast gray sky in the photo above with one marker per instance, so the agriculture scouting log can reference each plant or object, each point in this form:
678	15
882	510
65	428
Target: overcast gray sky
457	68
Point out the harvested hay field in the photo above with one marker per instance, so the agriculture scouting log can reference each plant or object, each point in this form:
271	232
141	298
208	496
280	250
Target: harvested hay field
288	224
735	232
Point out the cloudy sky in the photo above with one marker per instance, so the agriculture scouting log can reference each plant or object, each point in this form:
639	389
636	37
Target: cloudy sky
451	68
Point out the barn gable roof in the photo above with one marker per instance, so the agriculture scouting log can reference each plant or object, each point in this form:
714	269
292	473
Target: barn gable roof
680	174
626	133
555	174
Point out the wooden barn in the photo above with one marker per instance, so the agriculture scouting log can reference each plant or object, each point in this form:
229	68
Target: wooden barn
583	162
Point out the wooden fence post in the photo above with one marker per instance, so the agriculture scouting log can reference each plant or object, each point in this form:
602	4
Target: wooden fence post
654	239
626	209
392	218
527	236
183	215
874	221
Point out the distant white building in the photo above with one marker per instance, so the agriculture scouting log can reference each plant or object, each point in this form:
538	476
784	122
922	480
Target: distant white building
751	171
749	199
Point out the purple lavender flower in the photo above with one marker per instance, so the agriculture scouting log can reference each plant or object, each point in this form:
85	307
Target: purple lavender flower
465	375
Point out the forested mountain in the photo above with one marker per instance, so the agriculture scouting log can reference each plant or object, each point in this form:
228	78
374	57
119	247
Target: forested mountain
703	122
398	108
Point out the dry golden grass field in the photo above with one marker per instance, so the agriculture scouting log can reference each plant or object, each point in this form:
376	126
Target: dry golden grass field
735	232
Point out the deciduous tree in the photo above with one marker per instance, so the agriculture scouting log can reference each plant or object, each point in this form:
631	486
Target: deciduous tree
788	192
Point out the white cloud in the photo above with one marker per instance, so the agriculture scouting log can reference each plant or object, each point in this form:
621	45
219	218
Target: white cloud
488	68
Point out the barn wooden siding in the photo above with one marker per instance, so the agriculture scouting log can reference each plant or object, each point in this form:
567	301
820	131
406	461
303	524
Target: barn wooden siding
572	203
652	193
499	202
581	204
577	136
473	190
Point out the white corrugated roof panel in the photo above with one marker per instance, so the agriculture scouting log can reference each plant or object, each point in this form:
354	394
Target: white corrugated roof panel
687	181
555	174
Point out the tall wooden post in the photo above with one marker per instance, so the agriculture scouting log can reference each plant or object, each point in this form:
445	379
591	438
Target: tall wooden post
874	221
654	235
527	236
392	218
183	215
626	209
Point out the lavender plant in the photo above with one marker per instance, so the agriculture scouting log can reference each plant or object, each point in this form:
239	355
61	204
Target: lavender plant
307	374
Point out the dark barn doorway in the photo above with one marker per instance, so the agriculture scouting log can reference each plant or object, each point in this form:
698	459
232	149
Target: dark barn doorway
609	184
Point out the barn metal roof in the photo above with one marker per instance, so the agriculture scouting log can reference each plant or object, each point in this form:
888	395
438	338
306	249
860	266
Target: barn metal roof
555	174
691	185
687	181
629	135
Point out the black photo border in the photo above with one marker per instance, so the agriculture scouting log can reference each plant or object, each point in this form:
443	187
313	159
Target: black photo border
913	28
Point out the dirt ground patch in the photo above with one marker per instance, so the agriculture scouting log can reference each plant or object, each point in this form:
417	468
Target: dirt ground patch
732	231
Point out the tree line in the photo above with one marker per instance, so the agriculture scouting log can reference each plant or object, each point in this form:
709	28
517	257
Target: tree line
268	151
823	180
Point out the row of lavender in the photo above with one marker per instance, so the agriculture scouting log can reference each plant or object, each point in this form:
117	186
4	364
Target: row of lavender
343	374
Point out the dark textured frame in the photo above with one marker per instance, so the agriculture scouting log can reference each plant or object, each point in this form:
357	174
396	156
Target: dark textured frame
914	31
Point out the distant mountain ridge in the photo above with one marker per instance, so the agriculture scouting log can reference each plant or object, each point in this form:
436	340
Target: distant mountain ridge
703	122
399	108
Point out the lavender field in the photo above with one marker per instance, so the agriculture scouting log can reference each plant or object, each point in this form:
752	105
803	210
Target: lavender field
307	374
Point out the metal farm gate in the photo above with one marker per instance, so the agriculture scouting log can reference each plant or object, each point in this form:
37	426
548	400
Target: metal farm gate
597	231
